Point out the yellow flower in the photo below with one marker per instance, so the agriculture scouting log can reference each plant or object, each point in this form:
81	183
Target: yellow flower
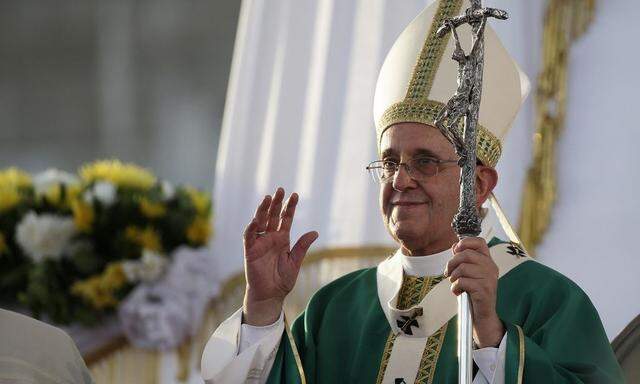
14	178
73	193
118	173
114	276
152	210
99	290
199	231
53	195
9	198
83	215
147	238
3	244
200	201
11	181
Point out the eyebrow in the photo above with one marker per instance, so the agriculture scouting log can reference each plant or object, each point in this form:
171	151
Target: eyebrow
422	152
425	152
388	152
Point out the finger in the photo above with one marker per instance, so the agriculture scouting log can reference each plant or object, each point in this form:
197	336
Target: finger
458	287
467	256
465	284
474	243
286	218
301	247
261	214
472	271
249	235
274	210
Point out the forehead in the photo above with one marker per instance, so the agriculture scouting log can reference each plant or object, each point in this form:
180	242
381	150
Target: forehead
412	138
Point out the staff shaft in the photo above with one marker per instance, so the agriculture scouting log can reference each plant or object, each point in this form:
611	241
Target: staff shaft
467	222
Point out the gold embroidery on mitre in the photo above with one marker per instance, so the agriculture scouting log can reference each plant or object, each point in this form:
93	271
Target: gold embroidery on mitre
416	107
431	53
423	72
488	146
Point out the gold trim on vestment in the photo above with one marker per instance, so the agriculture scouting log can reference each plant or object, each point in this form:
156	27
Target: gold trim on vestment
386	355
430	356
521	356
434	342
294	349
412	291
488	146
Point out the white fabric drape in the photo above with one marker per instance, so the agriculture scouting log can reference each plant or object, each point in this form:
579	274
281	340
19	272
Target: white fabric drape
298	115
304	71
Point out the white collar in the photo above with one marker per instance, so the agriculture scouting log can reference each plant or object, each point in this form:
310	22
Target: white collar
431	265
439	305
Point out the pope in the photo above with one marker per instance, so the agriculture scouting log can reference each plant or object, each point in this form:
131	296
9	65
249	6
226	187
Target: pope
396	322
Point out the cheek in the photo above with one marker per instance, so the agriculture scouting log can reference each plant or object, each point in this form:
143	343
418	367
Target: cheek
451	193
444	193
385	198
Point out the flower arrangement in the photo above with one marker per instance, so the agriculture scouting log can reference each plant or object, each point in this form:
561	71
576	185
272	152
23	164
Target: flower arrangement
72	247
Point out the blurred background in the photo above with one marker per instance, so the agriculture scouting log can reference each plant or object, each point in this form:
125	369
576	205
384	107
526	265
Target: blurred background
236	98
141	81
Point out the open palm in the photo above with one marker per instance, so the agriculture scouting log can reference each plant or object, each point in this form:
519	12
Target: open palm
271	264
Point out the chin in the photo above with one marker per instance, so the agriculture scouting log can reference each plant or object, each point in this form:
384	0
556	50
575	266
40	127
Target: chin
407	233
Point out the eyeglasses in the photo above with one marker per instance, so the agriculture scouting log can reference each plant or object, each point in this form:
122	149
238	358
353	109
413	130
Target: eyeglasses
418	168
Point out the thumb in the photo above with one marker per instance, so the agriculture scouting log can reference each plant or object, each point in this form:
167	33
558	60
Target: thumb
301	247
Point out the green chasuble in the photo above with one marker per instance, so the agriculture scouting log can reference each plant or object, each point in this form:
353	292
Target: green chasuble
554	334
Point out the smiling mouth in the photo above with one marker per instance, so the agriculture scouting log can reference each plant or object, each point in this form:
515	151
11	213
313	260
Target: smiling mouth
407	203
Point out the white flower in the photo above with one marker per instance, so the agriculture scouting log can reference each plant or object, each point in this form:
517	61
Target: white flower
130	269
168	191
44	236
155	316
43	181
163	314
104	192
87	197
149	268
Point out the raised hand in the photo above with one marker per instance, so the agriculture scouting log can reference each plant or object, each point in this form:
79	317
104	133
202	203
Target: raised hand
271	264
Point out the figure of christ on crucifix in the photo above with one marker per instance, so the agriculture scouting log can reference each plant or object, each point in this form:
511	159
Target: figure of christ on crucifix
469	72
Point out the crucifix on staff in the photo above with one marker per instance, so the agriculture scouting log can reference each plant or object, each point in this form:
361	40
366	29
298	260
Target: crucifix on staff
465	104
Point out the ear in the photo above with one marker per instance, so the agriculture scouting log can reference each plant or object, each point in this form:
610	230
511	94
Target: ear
486	181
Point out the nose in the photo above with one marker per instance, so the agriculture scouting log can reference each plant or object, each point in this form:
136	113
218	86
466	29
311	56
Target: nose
402	180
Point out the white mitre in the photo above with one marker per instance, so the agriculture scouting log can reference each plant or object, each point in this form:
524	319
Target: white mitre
419	76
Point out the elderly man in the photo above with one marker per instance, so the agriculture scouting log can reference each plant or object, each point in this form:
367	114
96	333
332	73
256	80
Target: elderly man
396	323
